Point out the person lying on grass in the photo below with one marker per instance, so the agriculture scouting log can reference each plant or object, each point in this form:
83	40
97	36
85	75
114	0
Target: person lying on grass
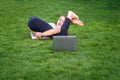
40	29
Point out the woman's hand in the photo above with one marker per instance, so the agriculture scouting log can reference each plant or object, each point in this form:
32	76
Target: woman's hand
57	29
38	35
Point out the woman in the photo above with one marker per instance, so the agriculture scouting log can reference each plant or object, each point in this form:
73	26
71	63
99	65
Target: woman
40	29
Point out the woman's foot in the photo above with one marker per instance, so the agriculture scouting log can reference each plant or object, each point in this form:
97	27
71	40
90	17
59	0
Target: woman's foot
77	21
72	15
74	18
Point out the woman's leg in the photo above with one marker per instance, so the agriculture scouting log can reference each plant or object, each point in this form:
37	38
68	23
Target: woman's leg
65	27
38	25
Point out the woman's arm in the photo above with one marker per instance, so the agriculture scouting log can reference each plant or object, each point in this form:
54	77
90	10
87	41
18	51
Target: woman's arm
47	33
51	32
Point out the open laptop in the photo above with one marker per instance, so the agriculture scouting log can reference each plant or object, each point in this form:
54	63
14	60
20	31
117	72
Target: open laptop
61	43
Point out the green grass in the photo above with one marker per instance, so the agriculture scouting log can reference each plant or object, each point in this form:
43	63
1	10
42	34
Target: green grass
98	42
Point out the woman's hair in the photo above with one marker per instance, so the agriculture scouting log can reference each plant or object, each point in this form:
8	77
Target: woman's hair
64	16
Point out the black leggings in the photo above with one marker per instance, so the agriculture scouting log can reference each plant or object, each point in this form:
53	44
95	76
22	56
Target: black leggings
38	25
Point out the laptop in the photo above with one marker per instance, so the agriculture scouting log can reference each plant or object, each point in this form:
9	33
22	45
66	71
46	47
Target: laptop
61	43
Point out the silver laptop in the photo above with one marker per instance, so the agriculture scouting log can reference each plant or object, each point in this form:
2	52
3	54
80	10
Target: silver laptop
61	43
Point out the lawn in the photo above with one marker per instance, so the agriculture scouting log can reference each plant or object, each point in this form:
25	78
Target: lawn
98	42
